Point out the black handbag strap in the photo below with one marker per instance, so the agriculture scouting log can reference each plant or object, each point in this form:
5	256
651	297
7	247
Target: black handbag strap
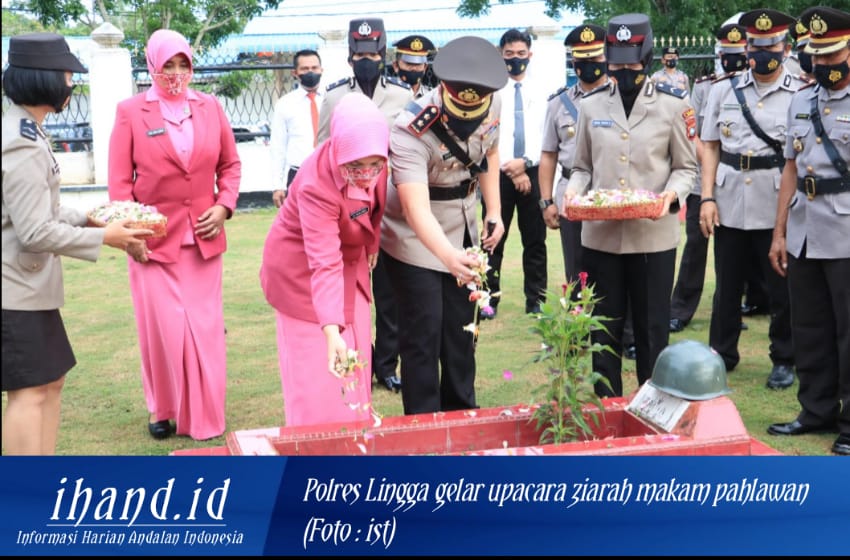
831	151
773	143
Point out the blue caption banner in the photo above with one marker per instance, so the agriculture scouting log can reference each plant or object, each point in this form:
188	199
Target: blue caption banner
424	505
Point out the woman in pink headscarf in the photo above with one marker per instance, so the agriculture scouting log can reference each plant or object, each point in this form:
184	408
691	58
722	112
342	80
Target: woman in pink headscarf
316	263
172	147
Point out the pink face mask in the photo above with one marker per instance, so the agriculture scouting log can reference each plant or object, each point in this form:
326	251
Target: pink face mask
361	177
174	84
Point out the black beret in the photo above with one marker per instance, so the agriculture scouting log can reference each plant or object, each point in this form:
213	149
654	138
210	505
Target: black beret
43	51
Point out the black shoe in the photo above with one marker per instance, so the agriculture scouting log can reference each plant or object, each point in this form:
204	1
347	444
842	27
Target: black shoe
677	325
535	309
795	428
781	377
630	352
390	383
160	430
842	444
752	310
744	326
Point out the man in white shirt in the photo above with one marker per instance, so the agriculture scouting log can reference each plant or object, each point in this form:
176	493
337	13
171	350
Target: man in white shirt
519	156
295	122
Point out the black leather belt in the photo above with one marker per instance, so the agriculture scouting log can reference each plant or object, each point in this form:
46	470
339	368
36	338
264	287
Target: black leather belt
463	190
743	162
814	186
565	173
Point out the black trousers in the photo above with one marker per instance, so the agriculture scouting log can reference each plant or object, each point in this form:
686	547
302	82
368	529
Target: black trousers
733	250
691	279
643	281
820	321
532	231
385	350
437	354
571	247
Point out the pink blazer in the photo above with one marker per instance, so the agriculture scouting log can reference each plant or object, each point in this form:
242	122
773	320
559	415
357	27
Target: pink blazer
315	253
144	166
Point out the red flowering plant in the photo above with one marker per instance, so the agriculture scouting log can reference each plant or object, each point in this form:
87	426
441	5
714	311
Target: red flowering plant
565	324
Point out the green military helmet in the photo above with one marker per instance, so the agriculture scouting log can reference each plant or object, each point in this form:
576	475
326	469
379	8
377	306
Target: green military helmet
690	370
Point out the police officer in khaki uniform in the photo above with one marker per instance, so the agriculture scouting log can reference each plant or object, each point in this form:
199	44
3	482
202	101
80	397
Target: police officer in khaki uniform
37	232
441	147
367	49
800	62
670	74
742	163
633	134
810	240
587	48
411	61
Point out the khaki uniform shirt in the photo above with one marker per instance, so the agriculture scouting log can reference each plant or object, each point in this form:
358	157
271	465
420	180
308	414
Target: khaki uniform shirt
36	229
423	159
677	79
822	223
651	150
747	199
391	95
699	95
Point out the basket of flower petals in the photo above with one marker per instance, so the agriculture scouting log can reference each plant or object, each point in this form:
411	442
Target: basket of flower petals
141	216
614	204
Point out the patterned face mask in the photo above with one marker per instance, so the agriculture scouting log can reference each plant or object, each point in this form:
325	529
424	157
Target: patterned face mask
361	177
174	84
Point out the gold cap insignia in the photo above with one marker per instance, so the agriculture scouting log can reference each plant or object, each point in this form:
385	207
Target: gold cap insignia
587	35
764	23
734	35
817	25
469	95
416	44
800	28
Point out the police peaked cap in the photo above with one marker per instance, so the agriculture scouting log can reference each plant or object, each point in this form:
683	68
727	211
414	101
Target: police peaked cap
586	41
765	27
43	51
629	40
414	49
471	63
829	29
732	38
670	50
367	35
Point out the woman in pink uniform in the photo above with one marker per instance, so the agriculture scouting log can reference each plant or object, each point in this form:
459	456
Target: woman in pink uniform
172	147
316	263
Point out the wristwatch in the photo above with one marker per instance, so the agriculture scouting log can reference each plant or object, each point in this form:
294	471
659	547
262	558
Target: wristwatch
545	203
528	162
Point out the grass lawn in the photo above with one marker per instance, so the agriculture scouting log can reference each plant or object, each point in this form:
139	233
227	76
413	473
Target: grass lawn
104	411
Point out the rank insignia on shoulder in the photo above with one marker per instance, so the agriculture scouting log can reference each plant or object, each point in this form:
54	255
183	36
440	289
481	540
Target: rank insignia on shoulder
396	82
29	129
557	93
664	87
724	77
423	121
702	79
337	84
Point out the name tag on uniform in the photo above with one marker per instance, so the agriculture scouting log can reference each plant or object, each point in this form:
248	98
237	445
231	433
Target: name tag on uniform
735	106
599	123
843	118
156	132
802	116
359	212
447	156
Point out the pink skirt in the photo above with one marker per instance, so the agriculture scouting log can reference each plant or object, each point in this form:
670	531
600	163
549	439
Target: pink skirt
180	321
312	394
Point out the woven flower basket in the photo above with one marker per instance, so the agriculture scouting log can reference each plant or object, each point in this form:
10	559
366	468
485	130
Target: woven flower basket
650	209
148	219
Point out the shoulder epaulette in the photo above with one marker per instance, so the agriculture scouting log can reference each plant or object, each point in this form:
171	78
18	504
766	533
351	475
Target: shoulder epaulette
664	87
395	81
557	93
725	76
609	84
808	85
424	119
337	84
702	79
29	129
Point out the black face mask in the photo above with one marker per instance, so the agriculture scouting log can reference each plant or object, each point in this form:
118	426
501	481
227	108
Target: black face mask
310	79
733	62
464	128
671	63
767	62
628	81
410	76
516	66
588	72
367	71
66	99
805	62
827	75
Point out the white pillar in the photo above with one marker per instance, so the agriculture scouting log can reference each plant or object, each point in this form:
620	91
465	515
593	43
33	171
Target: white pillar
549	63
334	53
110	81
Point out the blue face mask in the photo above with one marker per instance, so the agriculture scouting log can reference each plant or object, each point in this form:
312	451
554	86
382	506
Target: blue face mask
767	62
516	66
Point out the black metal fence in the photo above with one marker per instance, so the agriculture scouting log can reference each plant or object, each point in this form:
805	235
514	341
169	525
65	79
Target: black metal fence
249	85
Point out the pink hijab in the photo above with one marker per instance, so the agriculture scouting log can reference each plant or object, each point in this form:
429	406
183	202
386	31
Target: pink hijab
162	45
